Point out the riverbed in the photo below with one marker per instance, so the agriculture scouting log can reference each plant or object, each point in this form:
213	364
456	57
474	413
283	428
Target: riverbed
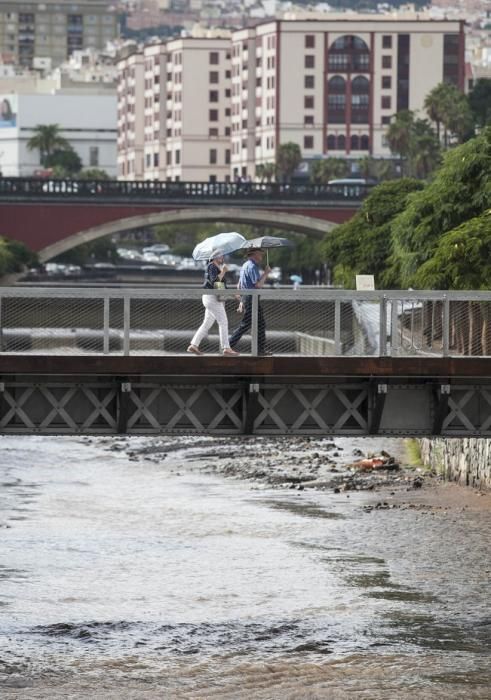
253	568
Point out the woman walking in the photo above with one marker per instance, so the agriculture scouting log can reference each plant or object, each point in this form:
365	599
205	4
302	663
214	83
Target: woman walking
214	308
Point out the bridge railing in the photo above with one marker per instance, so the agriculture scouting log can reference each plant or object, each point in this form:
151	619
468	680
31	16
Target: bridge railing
312	321
19	188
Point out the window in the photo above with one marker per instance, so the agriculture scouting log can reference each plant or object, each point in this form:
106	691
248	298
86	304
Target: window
155	160
178	157
308	102
308	120
213	115
214	58
309	61
355	142
331	142
213	156
386	41
385	120
386	102
213	96
169	157
386	82
309	41
341	143
364	143
94	156
212	131
386	61
309	81
308	141
213	76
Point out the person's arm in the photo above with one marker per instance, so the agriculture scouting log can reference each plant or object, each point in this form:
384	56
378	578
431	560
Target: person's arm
263	277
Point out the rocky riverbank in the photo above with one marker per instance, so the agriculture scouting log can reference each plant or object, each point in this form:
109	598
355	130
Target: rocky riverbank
340	465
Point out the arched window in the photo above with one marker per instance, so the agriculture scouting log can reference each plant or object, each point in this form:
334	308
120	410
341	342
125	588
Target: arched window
348	54
364	143
336	100
331	142
360	85
355	142
337	84
341	143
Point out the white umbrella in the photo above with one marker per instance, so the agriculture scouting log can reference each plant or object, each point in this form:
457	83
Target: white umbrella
221	244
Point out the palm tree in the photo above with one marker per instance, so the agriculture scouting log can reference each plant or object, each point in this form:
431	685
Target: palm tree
399	135
47	139
266	171
328	168
288	159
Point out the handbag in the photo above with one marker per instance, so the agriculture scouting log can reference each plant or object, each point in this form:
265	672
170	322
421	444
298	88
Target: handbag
219	285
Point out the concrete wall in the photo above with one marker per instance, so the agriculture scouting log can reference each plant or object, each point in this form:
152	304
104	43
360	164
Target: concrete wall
465	460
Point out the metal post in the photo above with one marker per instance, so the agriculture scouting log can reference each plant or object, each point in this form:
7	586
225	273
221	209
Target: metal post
383	327
254	325
126	325
337	327
394	329
446	326
105	349
1	324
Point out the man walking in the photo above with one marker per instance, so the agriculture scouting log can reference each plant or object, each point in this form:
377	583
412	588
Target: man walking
251	277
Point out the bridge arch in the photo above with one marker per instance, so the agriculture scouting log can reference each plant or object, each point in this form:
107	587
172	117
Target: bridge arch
310	226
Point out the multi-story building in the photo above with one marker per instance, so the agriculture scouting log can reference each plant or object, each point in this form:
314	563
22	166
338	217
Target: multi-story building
87	121
216	108
174	111
53	30
332	86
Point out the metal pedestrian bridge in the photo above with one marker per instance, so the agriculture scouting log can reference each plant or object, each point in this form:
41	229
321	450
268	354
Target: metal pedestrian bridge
109	360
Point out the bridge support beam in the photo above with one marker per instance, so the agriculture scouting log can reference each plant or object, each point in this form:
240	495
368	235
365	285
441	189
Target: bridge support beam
153	405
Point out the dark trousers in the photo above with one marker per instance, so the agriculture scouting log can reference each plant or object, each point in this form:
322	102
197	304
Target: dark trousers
246	323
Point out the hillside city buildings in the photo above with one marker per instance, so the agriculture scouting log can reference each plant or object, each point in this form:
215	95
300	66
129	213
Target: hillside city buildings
193	108
215	104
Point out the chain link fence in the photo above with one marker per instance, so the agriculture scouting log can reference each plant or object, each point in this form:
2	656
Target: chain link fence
311	321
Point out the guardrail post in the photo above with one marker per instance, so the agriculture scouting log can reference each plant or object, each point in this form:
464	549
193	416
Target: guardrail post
337	327
394	329
1	324
446	326
126	325
105	348
254	324
382	350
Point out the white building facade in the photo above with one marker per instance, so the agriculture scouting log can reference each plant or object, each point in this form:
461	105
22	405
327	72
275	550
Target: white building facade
174	111
88	122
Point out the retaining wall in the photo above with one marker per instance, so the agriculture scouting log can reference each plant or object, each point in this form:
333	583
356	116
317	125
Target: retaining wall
465	460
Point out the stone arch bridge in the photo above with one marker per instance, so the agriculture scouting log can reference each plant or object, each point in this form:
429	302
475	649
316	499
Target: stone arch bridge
52	216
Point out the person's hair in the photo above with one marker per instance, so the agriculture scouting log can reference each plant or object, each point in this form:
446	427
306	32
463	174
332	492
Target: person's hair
6	111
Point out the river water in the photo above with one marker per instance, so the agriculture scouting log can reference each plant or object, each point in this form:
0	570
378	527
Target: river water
123	578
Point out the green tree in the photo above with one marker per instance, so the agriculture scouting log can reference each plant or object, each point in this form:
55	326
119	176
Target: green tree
362	245
288	159
65	163
399	135
425	151
480	102
14	256
461	259
460	190
47	139
449	108
266	172
326	169
93	174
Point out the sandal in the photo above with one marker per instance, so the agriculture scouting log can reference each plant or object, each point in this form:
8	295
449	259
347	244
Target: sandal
229	351
195	350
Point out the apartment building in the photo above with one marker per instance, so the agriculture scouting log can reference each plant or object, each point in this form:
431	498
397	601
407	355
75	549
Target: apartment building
52	30
215	108
174	111
333	85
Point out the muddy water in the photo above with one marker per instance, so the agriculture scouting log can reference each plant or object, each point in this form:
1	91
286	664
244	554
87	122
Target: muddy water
133	579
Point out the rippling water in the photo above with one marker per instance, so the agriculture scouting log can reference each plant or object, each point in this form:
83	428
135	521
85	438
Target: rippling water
129	579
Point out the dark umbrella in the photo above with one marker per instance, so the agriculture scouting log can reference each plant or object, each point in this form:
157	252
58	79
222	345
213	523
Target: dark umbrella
267	242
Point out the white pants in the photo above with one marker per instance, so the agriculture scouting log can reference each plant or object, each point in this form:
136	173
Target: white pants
215	311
